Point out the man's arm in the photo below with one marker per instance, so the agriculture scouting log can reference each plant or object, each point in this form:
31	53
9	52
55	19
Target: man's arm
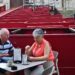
4	55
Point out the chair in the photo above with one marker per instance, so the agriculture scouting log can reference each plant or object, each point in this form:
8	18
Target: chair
28	3
56	71
52	69
49	70
52	5
36	3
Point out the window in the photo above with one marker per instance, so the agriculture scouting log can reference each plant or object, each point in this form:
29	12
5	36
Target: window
1	1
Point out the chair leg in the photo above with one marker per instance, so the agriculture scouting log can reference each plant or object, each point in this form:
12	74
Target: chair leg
52	70
58	71
57	67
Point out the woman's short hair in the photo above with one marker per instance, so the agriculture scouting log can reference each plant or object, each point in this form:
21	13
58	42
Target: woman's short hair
38	32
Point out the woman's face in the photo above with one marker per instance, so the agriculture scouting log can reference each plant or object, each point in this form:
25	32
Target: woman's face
38	39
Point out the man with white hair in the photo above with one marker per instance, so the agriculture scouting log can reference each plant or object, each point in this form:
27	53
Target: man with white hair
6	47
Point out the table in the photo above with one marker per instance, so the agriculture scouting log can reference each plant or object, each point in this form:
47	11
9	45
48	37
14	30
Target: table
20	66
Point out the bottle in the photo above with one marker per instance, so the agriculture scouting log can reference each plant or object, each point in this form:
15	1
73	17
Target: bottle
17	55
24	59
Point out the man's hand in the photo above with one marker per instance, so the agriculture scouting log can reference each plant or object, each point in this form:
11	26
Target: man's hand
4	55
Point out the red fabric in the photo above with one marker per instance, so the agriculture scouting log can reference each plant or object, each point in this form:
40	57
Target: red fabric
26	18
64	44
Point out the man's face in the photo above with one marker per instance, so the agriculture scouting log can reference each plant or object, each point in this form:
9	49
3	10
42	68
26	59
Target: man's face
4	37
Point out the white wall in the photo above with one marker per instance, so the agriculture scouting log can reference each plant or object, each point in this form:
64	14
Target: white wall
70	4
57	3
1	1
7	4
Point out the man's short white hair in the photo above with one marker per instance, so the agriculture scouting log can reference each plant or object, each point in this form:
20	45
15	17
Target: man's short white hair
4	31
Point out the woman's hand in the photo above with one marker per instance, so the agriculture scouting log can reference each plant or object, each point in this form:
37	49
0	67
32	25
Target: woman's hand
27	49
30	58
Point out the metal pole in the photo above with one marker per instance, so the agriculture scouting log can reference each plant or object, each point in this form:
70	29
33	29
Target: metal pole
54	4
65	5
42	2
34	5
23	3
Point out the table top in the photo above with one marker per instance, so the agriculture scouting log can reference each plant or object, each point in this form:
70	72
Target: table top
20	66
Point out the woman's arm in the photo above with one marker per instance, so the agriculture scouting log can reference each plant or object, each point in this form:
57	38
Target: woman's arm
46	54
